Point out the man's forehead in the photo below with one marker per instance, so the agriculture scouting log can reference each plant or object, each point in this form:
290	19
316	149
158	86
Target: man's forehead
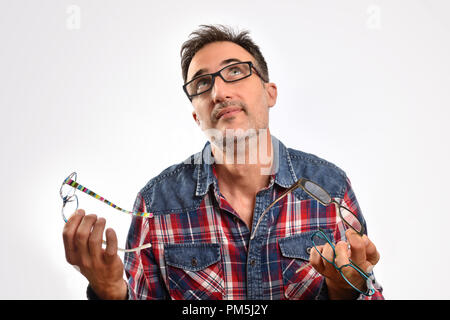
215	55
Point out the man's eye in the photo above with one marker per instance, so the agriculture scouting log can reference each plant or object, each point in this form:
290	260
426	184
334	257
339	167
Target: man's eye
235	71
201	84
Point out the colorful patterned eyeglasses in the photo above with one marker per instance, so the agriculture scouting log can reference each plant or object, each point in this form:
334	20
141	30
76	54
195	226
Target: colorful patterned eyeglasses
67	193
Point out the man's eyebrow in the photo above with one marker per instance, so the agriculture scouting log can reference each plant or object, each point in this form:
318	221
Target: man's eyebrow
224	62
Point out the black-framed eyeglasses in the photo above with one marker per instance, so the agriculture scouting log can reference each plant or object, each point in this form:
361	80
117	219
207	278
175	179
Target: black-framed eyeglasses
231	73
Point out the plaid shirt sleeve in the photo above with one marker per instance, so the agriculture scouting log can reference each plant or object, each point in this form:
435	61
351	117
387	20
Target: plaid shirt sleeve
144	282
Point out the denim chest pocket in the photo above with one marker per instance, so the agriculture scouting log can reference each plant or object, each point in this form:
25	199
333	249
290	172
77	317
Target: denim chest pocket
300	280
194	270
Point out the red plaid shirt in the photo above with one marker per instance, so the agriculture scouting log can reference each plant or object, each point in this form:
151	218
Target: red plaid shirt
204	251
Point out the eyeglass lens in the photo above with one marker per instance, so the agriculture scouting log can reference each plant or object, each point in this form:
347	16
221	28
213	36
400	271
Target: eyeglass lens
66	191
324	197
70	201
318	192
350	219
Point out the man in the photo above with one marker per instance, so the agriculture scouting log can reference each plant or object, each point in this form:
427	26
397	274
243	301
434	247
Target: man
215	232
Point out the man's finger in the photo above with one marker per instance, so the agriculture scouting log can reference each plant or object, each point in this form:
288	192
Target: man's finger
82	236
316	260
96	237
328	253
373	256
69	231
79	212
342	257
357	246
111	245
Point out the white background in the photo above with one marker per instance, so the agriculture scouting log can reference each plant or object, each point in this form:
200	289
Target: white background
96	88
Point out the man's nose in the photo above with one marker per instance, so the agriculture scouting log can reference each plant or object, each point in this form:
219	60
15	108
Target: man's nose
220	90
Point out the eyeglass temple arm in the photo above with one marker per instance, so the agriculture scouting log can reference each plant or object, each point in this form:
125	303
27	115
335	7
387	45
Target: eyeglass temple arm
80	187
285	193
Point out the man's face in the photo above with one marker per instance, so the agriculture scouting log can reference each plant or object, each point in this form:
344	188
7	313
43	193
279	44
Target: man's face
237	105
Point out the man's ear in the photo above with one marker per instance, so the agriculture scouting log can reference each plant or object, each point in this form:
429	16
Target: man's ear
194	115
272	93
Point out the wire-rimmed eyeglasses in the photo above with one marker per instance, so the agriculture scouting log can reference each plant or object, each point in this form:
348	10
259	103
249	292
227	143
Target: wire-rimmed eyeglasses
231	73
67	193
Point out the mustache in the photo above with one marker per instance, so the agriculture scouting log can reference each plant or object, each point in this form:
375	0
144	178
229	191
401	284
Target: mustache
222	105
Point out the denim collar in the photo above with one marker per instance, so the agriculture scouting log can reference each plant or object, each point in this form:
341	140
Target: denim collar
282	167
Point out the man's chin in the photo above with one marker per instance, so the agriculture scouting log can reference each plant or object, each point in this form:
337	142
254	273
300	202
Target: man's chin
236	125
221	136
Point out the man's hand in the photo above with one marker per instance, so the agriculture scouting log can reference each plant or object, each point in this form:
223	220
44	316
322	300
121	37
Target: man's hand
103	268
362	252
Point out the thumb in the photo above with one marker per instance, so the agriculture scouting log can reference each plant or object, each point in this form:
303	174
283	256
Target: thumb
373	256
111	245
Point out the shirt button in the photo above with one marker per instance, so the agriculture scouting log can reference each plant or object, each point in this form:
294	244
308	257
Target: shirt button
308	250
236	220
194	262
252	262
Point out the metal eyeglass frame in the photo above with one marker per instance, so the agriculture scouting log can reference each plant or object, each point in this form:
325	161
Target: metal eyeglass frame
71	181
219	73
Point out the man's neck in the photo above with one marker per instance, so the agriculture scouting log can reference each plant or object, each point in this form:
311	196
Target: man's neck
246	178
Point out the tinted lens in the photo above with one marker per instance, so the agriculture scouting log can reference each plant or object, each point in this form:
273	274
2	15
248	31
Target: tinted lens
350	219
317	192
